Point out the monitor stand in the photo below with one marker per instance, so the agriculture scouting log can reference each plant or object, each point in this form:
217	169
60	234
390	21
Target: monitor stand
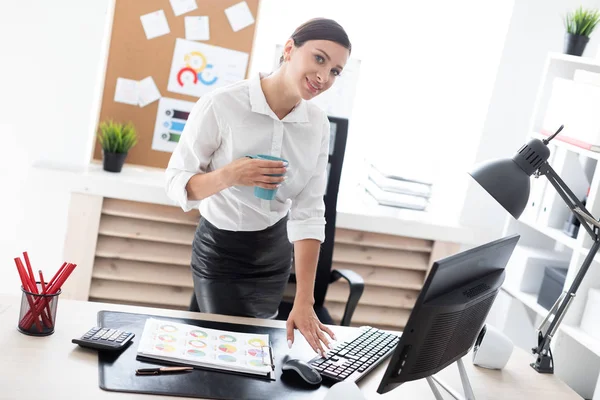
463	378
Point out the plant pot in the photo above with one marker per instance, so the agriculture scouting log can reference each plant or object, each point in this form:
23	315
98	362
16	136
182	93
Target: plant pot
575	44
113	162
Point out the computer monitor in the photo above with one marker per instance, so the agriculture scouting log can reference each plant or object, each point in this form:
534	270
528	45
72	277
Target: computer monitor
449	313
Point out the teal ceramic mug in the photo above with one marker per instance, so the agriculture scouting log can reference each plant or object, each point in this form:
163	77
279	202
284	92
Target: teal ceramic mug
262	193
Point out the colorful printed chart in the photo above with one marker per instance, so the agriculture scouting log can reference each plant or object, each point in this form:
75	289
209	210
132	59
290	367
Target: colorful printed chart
227	358
196	353
168	328
256	342
167	338
256	363
256	353
199	68
165	347
197	333
171	117
227	338
227	348
197	343
203	347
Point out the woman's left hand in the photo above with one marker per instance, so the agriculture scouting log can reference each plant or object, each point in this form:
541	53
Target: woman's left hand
304	318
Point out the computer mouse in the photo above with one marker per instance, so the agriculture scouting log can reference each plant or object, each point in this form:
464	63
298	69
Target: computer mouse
305	371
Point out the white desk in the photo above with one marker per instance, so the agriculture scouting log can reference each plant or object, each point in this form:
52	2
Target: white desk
355	210
54	368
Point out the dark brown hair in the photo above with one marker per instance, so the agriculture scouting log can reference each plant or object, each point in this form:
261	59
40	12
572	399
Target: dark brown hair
320	29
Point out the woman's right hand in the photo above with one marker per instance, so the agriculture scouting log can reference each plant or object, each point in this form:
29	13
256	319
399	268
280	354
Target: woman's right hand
253	172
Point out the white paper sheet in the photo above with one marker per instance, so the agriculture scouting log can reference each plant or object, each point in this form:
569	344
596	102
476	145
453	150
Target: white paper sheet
214	348
198	68
127	91
183	6
197	28
155	24
239	16
171	117
147	91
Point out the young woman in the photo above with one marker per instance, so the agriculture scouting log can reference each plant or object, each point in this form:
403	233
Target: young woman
242	249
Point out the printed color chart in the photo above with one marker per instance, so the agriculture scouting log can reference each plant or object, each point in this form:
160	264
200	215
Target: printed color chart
188	344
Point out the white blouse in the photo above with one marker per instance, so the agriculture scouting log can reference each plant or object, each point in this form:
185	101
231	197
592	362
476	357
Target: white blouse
234	121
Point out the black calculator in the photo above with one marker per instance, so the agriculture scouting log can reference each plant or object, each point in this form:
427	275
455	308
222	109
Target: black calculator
104	339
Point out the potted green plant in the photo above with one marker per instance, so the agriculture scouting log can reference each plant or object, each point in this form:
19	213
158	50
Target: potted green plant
116	140
579	25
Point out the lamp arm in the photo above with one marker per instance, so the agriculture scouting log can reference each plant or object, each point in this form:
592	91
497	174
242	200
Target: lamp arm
570	199
544	362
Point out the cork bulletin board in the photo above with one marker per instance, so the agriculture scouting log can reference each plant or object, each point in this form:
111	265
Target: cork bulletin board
133	56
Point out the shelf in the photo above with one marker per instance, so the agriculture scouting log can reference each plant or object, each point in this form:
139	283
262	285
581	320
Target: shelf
568	146
590	61
580	369
584	252
530	301
582	338
553	233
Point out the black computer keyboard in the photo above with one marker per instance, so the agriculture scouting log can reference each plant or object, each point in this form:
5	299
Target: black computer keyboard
350	361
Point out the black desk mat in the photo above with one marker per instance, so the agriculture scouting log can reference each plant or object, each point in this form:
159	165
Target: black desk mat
117	371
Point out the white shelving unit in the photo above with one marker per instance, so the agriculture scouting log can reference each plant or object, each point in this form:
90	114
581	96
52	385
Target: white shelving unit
576	354
530	301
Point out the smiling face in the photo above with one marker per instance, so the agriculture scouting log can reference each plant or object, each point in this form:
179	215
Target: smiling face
313	67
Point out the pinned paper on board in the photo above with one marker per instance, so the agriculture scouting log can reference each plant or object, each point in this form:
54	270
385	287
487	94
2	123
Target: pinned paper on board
239	16
197	28
147	91
171	117
183	6
199	68
155	24
134	92
126	91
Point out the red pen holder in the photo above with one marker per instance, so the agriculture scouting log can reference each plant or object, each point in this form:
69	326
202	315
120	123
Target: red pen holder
38	312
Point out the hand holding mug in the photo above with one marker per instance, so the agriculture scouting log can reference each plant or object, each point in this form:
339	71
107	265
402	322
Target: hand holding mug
259	172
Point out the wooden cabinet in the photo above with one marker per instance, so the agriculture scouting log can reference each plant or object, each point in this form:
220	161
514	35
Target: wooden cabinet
139	253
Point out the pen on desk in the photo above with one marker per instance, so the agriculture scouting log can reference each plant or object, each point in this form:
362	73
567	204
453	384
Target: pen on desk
160	371
271	355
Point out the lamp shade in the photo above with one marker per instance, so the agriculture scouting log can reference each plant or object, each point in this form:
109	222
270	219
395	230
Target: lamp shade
506	182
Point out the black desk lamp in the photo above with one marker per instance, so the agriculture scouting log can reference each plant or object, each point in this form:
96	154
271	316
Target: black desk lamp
507	181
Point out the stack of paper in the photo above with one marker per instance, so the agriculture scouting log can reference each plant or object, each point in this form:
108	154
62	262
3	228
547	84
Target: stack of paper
392	188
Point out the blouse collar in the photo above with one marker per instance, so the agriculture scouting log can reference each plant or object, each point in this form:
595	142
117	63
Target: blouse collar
259	103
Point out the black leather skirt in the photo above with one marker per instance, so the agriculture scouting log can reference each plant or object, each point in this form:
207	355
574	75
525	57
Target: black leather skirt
241	273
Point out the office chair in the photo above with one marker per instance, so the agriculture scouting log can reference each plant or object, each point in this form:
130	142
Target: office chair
325	275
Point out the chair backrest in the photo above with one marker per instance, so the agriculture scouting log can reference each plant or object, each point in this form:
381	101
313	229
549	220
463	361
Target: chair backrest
337	148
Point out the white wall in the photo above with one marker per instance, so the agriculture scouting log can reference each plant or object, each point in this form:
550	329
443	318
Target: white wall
49	80
536	28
